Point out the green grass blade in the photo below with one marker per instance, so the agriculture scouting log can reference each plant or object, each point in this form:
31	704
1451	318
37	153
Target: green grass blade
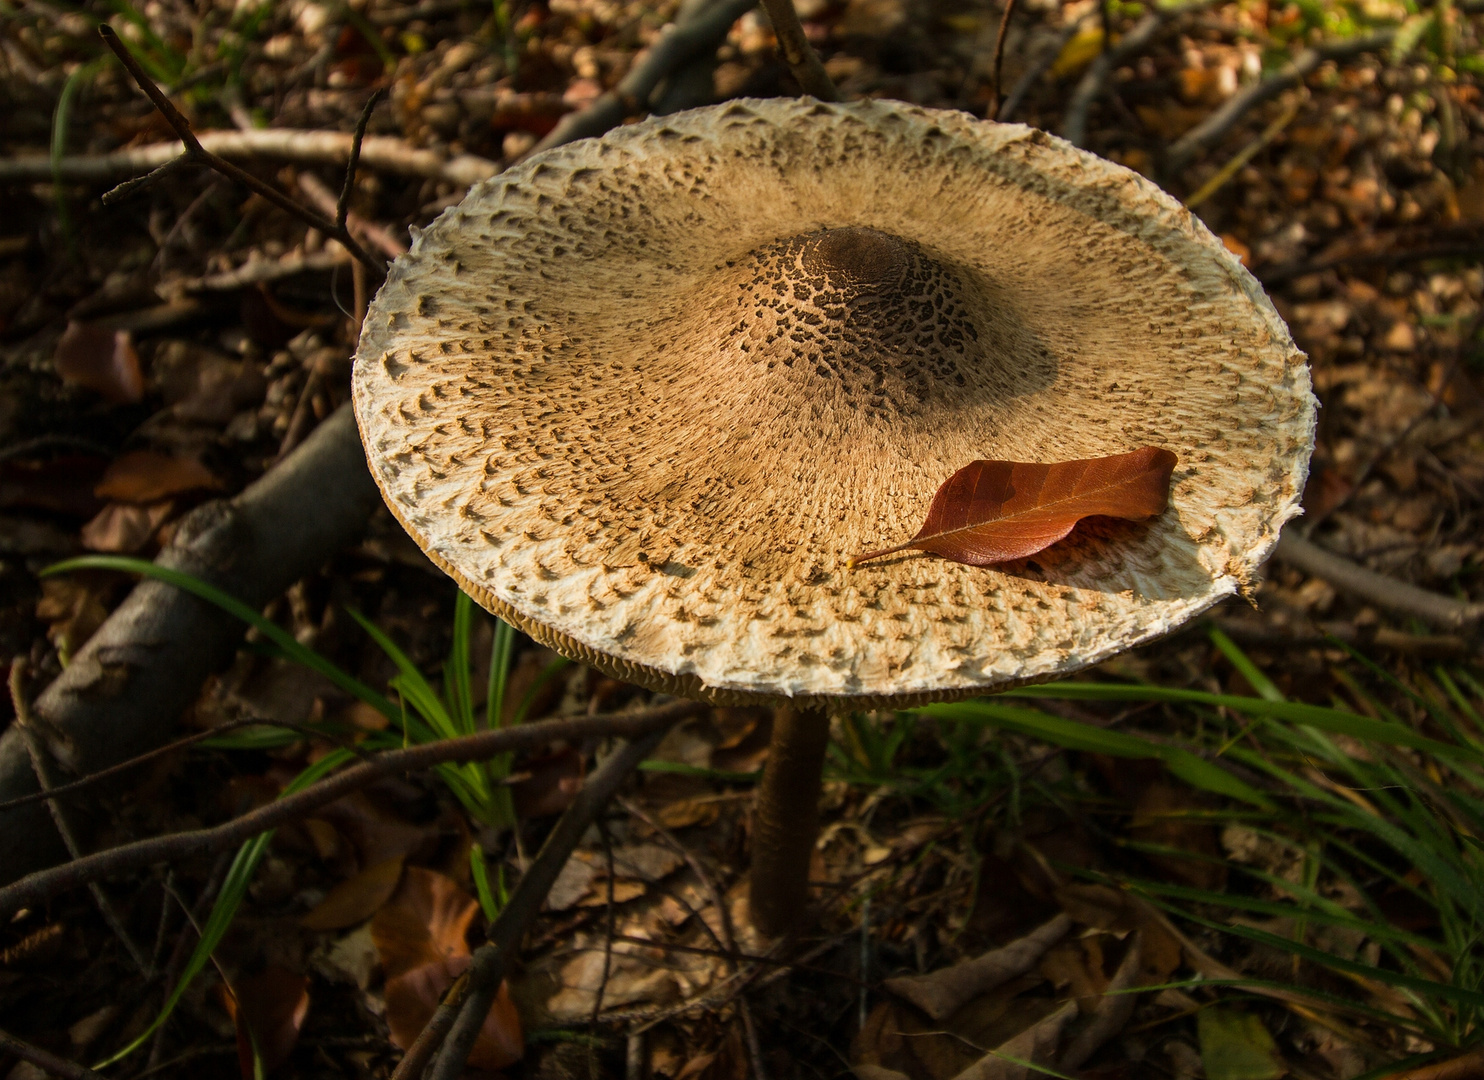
1245	667
231	605
233	891
1072	735
502	650
456	670
410	682
1317	716
479	871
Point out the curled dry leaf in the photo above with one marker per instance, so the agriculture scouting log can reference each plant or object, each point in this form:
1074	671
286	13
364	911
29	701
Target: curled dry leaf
101	360
994	511
940	993
356	899
420	936
146	476
268	1010
1109	1014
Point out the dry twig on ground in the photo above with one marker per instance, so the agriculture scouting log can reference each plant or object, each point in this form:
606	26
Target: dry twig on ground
797	52
44	884
196	154
461	1018
1378	589
679	43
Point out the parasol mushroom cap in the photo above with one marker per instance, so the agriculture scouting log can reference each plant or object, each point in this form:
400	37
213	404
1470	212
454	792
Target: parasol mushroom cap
644	396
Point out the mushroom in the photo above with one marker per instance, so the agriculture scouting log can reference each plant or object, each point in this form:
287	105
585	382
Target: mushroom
643	397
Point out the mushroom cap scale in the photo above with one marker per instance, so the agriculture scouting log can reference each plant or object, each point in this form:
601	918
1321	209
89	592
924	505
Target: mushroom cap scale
643	396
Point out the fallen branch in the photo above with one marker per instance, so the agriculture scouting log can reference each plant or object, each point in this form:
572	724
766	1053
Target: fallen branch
1213	128
678	43
800	56
1090	88
42	1059
44	884
1034	73
1378	589
260	270
314	148
125	689
459	1019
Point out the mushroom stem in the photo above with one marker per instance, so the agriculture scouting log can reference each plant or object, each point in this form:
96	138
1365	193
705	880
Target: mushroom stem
785	821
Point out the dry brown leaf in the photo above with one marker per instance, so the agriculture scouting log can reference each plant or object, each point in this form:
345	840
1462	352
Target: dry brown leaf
101	360
356	899
375	833
268	1010
123	529
1036	1044
145	476
994	511
420	937
425	922
940	993
1468	1067
1162	818
73	608
1109	1014
413	997
553	782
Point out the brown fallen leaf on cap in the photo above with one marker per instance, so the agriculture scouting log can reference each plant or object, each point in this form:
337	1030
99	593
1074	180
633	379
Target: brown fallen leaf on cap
994	511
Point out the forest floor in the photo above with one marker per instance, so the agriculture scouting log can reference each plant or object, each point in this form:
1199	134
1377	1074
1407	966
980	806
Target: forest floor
170	348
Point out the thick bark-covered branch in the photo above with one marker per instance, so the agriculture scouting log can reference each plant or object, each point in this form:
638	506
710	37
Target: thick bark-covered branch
125	689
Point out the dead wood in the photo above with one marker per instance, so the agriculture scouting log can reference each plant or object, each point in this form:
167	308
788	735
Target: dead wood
42	1059
1378	589
383	153
678	44
1074	123
1213	128
123	692
1017	1058
797	52
1111	1012
44	884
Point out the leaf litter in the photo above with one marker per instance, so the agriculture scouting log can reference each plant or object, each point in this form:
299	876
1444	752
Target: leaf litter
1396	485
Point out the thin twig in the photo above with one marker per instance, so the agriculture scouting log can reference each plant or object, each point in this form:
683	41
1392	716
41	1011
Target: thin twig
378	236
342	208
68	1070
42	768
1033	74
1379	589
197	154
169	748
610	919
44	884
728	938
999	59
1243	156
1074	123
490	960
1213	128
679	43
797	52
